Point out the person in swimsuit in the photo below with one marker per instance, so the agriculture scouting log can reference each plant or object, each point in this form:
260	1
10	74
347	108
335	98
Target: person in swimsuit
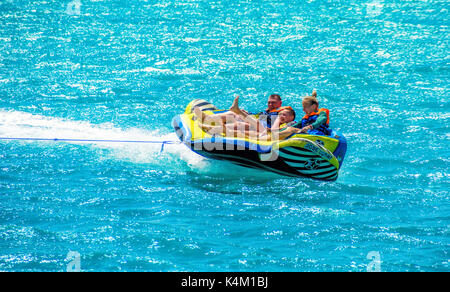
267	117
252	128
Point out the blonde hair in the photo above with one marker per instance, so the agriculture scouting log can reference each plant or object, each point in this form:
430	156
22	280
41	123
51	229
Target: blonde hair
312	99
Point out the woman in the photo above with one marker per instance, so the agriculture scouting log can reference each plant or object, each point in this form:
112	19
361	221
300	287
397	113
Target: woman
317	120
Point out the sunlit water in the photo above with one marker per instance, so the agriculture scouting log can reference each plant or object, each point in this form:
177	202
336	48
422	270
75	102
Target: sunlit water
122	69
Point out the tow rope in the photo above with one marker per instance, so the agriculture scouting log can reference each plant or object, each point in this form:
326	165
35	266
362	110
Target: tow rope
92	140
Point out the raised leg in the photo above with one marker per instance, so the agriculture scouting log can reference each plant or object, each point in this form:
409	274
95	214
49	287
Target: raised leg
223	118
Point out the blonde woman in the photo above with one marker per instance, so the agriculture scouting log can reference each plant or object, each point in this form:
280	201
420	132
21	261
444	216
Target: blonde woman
317	120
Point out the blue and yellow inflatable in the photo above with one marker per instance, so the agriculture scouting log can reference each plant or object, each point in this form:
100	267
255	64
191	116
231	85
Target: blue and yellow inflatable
301	155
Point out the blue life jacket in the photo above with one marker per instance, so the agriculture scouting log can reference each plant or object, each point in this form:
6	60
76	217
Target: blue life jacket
324	129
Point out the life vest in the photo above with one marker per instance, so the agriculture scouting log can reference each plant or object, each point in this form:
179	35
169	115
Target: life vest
312	117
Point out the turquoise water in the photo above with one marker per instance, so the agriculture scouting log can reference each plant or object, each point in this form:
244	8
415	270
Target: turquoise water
122	69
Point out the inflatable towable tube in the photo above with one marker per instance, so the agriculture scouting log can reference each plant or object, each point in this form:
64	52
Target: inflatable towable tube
301	155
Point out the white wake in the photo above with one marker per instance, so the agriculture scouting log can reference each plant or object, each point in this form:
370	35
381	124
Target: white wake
17	124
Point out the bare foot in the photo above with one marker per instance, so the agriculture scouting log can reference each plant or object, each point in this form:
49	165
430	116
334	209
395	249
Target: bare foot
199	114
235	106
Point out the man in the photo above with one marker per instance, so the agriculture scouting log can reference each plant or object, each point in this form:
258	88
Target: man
269	116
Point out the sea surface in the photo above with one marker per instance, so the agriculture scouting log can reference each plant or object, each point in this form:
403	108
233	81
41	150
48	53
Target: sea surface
120	69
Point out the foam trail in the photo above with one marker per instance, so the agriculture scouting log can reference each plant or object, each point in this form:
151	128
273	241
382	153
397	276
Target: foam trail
17	124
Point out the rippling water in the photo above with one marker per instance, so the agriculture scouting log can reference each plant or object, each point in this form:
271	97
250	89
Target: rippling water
122	69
